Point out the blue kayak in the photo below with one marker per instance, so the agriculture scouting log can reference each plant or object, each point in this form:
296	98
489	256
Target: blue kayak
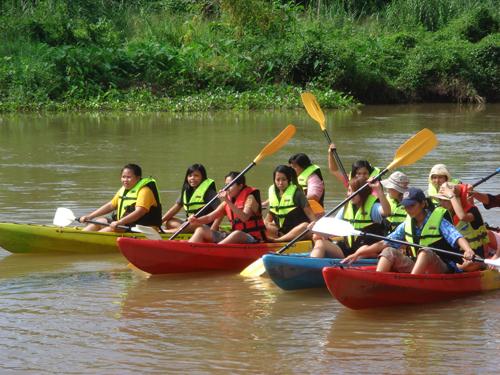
299	271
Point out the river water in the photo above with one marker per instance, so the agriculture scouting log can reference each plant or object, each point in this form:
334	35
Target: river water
91	314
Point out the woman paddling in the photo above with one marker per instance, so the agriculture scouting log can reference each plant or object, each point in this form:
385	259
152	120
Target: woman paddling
364	211
425	227
197	190
289	211
137	202
242	205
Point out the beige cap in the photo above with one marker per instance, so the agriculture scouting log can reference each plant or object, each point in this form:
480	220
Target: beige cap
397	181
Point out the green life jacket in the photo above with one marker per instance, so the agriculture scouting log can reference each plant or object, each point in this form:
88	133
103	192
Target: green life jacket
360	218
197	199
304	175
398	213
128	198
431	235
477	238
285	211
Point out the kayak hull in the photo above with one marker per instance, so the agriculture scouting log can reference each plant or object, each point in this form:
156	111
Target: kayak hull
362	289
164	257
299	271
33	238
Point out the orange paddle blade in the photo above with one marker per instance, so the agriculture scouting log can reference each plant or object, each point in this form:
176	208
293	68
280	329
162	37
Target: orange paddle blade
278	142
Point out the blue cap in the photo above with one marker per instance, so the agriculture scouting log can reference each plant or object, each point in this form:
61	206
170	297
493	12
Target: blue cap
412	196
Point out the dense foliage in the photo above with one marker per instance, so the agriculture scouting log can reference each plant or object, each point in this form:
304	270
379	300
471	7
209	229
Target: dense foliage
182	55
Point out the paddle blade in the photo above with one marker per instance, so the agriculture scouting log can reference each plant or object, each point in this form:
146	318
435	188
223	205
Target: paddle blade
149	232
255	269
334	227
316	207
278	142
313	108
414	148
493	262
63	217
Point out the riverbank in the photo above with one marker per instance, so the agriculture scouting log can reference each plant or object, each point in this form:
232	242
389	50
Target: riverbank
150	55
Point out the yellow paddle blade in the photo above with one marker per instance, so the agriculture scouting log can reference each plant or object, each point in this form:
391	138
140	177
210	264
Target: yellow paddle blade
255	269
279	141
414	148
313	108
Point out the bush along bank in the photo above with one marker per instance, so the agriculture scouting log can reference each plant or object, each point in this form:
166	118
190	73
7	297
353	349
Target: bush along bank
244	54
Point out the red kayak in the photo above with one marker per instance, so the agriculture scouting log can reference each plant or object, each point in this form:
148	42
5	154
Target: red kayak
163	256
361	288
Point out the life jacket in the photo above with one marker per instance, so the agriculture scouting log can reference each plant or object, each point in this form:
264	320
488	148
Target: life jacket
128	198
398	213
285	211
197	199
431	190
304	175
361	220
255	225
431	235
477	238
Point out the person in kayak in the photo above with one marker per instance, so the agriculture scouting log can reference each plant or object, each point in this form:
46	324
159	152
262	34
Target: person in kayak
466	217
396	185
289	211
360	169
364	211
242	205
424	227
197	190
438	175
309	177
137	202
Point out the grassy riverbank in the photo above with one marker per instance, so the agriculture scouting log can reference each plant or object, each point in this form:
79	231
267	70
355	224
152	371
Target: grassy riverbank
185	55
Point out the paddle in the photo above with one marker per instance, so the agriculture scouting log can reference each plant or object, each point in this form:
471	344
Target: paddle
486	178
314	110
278	142
64	217
337	227
408	153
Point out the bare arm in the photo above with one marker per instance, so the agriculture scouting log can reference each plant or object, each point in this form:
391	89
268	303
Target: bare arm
103	210
333	167
384	203
172	211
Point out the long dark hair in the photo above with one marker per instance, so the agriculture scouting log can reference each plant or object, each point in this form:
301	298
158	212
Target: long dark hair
288	171
361	164
356	183
193	168
134	168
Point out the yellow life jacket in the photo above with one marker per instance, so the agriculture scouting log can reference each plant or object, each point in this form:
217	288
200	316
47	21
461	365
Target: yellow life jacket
477	238
398	213
361	218
285	212
197	199
431	235
431	190
128	198
304	175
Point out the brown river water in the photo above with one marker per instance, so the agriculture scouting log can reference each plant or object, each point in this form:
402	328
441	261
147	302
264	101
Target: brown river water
81	314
